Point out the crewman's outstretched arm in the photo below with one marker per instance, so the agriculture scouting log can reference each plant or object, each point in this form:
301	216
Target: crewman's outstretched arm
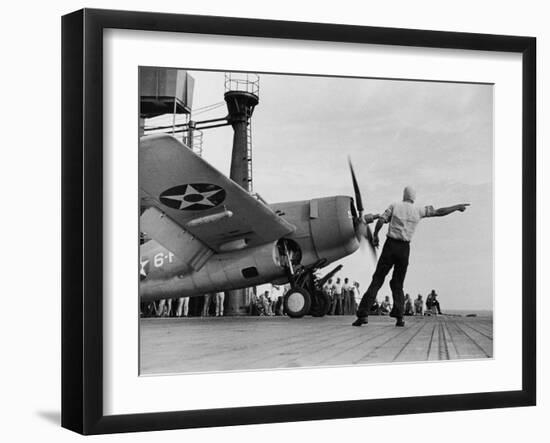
440	212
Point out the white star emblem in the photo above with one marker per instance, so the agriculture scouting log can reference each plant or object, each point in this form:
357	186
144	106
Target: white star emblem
142	269
193	197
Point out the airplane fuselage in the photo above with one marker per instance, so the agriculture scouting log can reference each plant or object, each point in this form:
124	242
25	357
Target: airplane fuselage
324	231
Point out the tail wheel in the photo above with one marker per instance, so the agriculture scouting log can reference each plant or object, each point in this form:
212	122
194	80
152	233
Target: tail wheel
320	305
297	302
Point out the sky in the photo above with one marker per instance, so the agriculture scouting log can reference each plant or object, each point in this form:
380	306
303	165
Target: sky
434	136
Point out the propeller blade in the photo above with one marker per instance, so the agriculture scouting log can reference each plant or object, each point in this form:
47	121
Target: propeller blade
366	248
364	236
369	236
358	200
370	240
362	229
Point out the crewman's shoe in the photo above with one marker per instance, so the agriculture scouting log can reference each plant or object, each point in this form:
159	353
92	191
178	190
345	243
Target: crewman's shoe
400	322
360	321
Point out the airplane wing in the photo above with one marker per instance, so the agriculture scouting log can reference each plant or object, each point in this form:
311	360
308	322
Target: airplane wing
201	200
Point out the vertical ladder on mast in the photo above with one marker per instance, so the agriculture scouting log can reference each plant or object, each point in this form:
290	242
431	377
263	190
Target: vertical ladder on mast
249	154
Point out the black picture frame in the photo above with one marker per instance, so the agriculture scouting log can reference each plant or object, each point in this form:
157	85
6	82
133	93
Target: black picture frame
82	217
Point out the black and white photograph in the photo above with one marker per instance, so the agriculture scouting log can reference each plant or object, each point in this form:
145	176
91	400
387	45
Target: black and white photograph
302	221
266	222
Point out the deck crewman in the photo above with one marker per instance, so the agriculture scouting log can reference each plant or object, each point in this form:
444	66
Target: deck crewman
403	217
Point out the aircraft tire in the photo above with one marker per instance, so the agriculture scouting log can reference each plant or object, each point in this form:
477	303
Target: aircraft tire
297	302
321	306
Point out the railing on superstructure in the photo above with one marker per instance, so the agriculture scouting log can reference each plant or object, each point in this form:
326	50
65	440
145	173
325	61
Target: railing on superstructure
242	81
248	83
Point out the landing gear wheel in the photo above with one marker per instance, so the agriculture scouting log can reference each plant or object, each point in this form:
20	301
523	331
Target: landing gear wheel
297	302
320	305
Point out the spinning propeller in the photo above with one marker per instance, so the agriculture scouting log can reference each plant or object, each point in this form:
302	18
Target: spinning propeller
362	228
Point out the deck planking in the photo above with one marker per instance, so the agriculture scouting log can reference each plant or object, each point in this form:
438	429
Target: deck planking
179	345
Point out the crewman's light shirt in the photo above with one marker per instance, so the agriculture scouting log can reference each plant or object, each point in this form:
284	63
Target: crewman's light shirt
403	218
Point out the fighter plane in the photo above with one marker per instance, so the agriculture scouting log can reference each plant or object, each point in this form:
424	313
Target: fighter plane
200	232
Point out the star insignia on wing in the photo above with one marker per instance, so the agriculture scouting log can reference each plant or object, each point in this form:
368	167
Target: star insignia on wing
192	196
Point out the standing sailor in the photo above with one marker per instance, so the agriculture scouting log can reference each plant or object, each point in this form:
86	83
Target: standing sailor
402	218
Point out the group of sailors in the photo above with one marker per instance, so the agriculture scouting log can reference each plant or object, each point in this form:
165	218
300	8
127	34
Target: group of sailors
269	302
205	306
341	293
212	305
415	307
342	296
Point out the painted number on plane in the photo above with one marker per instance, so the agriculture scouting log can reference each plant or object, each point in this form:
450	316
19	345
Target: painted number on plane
159	259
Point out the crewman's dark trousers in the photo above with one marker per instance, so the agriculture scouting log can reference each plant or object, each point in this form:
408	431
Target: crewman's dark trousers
337	305
395	253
